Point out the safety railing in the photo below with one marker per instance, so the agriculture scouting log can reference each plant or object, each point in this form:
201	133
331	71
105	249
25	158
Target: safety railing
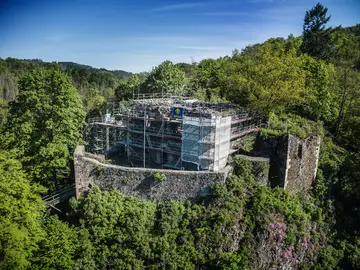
59	196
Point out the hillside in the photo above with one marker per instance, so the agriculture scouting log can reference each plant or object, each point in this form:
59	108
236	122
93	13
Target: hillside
303	86
94	84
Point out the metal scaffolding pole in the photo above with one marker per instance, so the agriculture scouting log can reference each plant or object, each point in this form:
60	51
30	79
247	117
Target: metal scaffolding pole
107	139
144	137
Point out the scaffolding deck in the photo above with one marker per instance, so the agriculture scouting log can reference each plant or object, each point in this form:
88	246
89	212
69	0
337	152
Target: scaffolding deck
203	134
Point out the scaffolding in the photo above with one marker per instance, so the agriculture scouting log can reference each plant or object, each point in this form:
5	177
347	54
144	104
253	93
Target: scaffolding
103	134
206	141
146	133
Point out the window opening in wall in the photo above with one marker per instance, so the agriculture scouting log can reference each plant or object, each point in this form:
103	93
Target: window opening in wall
300	149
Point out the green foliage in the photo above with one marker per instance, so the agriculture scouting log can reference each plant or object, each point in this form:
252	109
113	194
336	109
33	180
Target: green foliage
4	108
118	229
328	258
8	84
97	108
208	80
126	232
94	85
322	103
125	180
58	247
317	40
331	157
124	91
166	79
279	125
188	69
44	125
20	212
248	142
297	82
347	46
348	193
99	169
348	93
129	89
158	176
268	80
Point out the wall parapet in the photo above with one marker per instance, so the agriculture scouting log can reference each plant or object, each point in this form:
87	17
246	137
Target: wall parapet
179	185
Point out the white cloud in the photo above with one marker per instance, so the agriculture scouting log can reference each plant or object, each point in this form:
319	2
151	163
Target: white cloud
178	6
224	13
201	48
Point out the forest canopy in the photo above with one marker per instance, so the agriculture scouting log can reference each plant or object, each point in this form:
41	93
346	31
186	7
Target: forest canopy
302	85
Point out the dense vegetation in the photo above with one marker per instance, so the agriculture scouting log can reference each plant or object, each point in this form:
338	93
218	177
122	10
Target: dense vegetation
94	85
304	85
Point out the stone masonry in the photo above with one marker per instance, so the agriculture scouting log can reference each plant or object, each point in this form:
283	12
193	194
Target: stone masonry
302	162
287	161
179	185
293	162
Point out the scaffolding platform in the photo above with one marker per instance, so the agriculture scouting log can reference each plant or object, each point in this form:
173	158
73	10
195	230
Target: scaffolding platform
171	132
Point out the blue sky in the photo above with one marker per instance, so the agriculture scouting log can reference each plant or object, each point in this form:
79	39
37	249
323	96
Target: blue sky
137	35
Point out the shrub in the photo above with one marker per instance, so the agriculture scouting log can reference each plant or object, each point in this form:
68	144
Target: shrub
291	124
99	169
125	180
158	176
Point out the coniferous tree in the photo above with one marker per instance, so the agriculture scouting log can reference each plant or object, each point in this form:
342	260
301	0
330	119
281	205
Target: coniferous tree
316	37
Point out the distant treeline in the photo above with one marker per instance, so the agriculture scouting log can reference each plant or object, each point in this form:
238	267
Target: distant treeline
303	85
93	84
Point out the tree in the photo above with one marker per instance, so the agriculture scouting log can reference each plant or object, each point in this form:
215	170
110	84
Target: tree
187	68
8	85
134	82
322	103
128	89
267	79
348	93
89	94
347	48
21	208
209	77
165	79
347	90
119	227
3	112
317	40
123	92
45	125
58	247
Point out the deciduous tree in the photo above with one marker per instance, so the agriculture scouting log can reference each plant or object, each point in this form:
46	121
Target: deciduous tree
45	125
165	79
267	80
21	208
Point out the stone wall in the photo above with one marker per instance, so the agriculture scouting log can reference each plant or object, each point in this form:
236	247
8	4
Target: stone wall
260	168
179	185
276	150
293	162
293	165
302	163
